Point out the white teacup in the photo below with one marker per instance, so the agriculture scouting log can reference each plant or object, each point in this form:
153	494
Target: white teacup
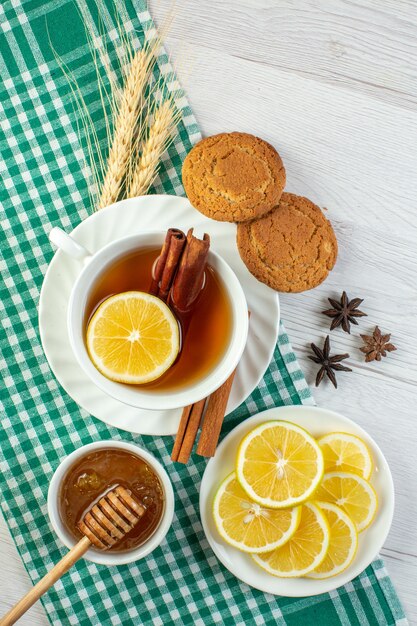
94	265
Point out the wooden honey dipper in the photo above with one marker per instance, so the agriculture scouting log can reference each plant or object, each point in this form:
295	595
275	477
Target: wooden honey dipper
104	524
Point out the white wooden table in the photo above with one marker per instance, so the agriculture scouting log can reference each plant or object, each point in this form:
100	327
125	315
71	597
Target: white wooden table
333	86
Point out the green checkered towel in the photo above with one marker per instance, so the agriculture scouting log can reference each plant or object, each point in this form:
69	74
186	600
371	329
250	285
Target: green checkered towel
181	582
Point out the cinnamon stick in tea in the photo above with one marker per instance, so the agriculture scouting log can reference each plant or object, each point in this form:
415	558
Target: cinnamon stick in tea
167	263
190	275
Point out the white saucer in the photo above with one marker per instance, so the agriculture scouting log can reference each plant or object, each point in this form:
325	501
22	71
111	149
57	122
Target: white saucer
125	218
318	422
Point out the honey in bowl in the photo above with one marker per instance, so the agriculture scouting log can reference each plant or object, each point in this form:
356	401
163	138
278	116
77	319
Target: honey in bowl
205	335
94	474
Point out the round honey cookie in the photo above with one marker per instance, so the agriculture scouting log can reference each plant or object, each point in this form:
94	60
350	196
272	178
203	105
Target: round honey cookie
233	177
292	248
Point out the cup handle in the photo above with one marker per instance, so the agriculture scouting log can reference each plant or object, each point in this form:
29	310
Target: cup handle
67	244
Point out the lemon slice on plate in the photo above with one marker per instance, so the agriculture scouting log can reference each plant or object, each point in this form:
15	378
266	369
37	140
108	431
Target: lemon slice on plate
279	464
248	526
133	337
346	453
353	494
305	550
343	542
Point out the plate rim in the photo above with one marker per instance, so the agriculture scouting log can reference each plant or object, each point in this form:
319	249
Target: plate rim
186	205
335	582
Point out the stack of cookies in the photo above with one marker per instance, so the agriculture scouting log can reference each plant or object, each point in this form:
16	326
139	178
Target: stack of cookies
284	240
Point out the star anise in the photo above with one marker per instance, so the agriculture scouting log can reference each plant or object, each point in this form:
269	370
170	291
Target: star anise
376	345
344	312
329	364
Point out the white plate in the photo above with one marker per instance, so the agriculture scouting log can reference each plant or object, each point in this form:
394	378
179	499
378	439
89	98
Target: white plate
127	218
318	422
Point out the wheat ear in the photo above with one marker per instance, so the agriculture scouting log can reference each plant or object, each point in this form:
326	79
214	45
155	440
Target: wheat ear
159	137
124	126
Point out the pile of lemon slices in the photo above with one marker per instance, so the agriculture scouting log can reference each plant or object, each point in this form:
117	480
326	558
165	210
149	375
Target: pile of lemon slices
297	504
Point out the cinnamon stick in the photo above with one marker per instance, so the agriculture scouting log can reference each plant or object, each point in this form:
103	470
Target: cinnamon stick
189	435
177	279
213	418
168	263
181	432
190	275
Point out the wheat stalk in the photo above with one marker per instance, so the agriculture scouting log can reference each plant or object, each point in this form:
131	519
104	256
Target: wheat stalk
160	135
125	124
126	162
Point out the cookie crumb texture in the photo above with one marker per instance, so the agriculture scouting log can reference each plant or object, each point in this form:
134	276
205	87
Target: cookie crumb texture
292	248
233	177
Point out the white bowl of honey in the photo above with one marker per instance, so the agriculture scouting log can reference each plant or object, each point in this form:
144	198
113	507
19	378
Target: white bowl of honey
90	472
216	333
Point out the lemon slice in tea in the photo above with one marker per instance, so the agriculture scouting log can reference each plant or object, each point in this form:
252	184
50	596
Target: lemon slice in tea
246	525
133	337
279	464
